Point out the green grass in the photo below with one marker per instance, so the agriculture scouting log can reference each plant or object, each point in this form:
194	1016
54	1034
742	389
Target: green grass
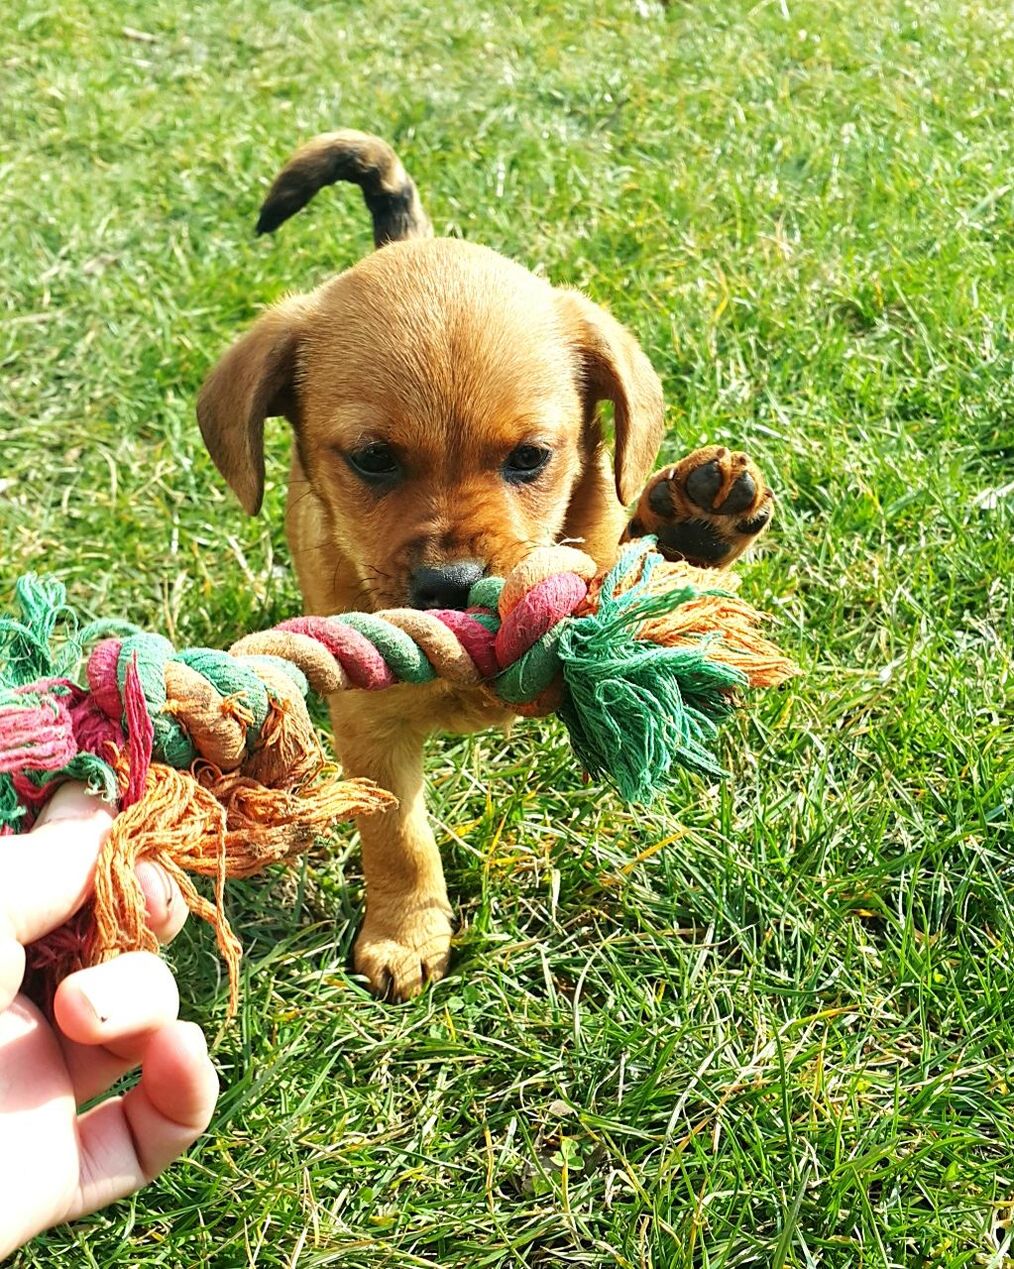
769	1023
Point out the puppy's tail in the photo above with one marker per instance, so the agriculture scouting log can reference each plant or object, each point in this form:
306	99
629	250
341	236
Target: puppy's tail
366	161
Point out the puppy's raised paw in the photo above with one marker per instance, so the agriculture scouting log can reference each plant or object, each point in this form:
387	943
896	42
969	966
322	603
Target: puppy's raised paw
707	509
400	954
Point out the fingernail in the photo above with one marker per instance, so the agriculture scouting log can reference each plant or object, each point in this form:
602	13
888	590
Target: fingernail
196	1038
71	801
168	889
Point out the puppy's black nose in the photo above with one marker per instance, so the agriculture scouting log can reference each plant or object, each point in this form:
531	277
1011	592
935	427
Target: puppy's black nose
443	587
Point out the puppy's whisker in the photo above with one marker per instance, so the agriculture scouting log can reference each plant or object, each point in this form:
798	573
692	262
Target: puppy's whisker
324	545
362	593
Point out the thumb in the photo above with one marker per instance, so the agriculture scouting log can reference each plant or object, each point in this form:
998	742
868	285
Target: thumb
46	875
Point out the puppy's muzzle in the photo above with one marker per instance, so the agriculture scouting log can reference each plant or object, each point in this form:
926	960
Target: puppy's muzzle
446	586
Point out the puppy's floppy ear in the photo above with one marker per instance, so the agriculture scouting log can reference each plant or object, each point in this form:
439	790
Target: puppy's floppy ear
613	368
253	381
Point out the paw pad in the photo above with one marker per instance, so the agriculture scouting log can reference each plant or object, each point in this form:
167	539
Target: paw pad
703	484
740	497
707	509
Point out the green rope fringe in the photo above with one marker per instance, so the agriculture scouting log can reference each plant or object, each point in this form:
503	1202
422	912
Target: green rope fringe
637	711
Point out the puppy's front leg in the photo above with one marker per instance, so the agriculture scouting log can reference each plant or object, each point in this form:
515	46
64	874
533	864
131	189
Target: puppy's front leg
406	936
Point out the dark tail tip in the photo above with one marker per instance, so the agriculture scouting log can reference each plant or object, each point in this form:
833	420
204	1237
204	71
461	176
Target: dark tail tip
363	160
271	217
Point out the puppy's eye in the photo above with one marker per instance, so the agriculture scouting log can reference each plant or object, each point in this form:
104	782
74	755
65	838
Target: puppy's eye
374	462
525	462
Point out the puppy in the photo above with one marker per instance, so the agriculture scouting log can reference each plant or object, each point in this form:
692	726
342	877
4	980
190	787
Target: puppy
443	402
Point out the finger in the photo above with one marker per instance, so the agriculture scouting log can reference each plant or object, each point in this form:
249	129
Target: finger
36	1117
12	964
127	1141
45	875
107	1015
164	904
71	801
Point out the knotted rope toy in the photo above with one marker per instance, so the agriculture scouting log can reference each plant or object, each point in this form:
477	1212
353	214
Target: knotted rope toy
217	769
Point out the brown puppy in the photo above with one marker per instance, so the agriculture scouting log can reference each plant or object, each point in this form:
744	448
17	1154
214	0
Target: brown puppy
443	403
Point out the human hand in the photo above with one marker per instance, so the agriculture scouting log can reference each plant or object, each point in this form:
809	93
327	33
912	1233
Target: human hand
57	1165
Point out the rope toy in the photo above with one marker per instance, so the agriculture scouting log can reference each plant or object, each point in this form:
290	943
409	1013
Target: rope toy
217	768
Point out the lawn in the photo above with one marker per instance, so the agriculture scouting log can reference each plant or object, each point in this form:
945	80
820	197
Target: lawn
769	1022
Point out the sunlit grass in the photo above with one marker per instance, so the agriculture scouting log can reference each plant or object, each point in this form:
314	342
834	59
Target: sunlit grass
784	1036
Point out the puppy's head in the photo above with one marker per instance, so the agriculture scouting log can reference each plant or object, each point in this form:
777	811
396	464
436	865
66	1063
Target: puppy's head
443	402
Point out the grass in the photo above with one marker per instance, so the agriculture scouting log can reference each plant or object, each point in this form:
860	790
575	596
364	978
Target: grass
768	1023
